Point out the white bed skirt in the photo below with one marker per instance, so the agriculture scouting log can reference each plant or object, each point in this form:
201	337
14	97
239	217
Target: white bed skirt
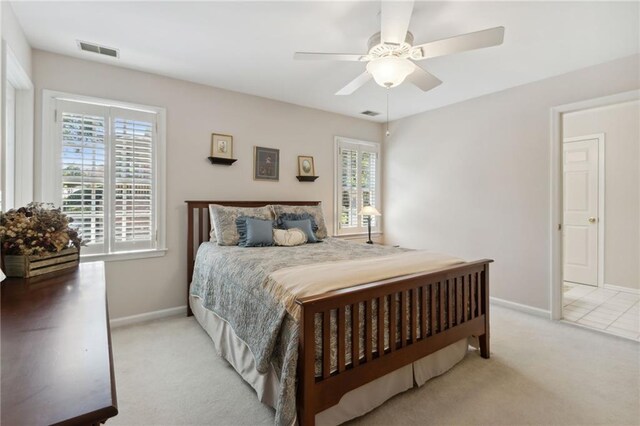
354	403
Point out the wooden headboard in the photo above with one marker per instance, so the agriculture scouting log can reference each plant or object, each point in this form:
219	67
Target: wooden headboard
198	226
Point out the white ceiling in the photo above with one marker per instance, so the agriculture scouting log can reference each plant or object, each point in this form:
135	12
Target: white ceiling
248	46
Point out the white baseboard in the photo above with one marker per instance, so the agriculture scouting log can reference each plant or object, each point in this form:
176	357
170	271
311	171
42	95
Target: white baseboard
623	289
522	308
148	316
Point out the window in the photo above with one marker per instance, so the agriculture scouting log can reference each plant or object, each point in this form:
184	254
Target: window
357	184
109	160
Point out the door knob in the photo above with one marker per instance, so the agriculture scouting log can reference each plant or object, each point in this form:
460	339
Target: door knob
592	220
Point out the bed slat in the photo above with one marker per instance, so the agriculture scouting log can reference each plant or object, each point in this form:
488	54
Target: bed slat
442	305
326	344
433	311
451	302
368	330
414	315
423	311
380	317
479	294
355	334
473	295
341	338
403	319
393	324
459	282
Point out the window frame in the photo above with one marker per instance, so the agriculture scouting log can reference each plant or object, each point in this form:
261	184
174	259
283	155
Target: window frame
50	148
376	147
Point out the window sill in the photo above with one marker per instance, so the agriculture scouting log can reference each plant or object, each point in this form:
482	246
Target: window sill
125	255
358	234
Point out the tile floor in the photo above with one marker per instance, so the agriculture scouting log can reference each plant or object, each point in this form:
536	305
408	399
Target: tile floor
614	312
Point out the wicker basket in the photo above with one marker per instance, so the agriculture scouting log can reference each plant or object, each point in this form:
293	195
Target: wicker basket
31	266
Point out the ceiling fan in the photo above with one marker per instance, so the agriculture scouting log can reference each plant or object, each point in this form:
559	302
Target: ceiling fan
391	51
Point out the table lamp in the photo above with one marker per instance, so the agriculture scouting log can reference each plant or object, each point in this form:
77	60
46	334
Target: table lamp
369	211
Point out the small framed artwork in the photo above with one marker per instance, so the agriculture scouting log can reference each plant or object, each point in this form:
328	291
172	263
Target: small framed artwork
306	166
266	163
221	146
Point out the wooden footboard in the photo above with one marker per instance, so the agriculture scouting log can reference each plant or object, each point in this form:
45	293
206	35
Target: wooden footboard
433	309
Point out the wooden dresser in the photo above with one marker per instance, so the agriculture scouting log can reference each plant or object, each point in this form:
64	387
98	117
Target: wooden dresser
57	366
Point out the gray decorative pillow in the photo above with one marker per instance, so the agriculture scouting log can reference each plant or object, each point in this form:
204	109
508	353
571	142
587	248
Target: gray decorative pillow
254	232
293	216
224	221
314	211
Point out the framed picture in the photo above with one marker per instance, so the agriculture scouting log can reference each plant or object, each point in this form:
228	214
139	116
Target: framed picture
266	163
306	166
221	146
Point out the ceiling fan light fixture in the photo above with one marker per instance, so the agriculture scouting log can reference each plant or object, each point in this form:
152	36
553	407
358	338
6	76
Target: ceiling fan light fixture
390	71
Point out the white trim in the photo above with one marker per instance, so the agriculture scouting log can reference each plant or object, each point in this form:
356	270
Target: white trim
50	150
601	197
126	255
555	273
532	310
148	316
17	77
622	289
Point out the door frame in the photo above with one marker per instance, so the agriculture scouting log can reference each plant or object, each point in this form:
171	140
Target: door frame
600	137
555	214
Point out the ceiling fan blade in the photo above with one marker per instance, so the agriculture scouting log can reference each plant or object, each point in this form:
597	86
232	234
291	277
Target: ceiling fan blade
394	21
358	82
423	79
462	43
314	56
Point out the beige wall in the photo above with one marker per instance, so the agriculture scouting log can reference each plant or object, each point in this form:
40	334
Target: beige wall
473	179
621	126
193	113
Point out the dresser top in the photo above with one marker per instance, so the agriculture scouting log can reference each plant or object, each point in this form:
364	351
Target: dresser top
56	349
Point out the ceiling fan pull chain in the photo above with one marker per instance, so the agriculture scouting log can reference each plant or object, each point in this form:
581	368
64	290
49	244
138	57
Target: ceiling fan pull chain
388	111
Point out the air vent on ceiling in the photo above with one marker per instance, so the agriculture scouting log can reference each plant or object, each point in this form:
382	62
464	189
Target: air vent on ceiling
370	113
95	48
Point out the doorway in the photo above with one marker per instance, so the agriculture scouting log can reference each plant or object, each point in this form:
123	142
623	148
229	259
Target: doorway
596	171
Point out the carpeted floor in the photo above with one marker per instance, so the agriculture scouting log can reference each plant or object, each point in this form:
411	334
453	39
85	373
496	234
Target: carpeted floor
540	372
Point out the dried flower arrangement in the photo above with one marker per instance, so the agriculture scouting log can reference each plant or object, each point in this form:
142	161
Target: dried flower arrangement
37	229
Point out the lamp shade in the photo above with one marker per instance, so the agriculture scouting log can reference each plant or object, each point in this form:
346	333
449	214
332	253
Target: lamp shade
2	275
369	211
390	71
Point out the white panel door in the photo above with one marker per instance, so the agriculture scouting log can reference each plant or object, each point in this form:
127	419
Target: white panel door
580	199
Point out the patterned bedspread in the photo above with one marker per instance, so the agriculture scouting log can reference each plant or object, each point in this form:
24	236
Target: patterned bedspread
230	282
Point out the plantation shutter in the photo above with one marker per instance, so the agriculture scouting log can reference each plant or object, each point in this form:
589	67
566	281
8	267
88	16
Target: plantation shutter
107	182
357	184
133	177
349	188
84	141
368	182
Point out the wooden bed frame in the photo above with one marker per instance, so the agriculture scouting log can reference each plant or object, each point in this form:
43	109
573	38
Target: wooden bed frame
448	305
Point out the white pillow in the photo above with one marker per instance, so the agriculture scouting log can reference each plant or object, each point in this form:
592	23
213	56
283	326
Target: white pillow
289	237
